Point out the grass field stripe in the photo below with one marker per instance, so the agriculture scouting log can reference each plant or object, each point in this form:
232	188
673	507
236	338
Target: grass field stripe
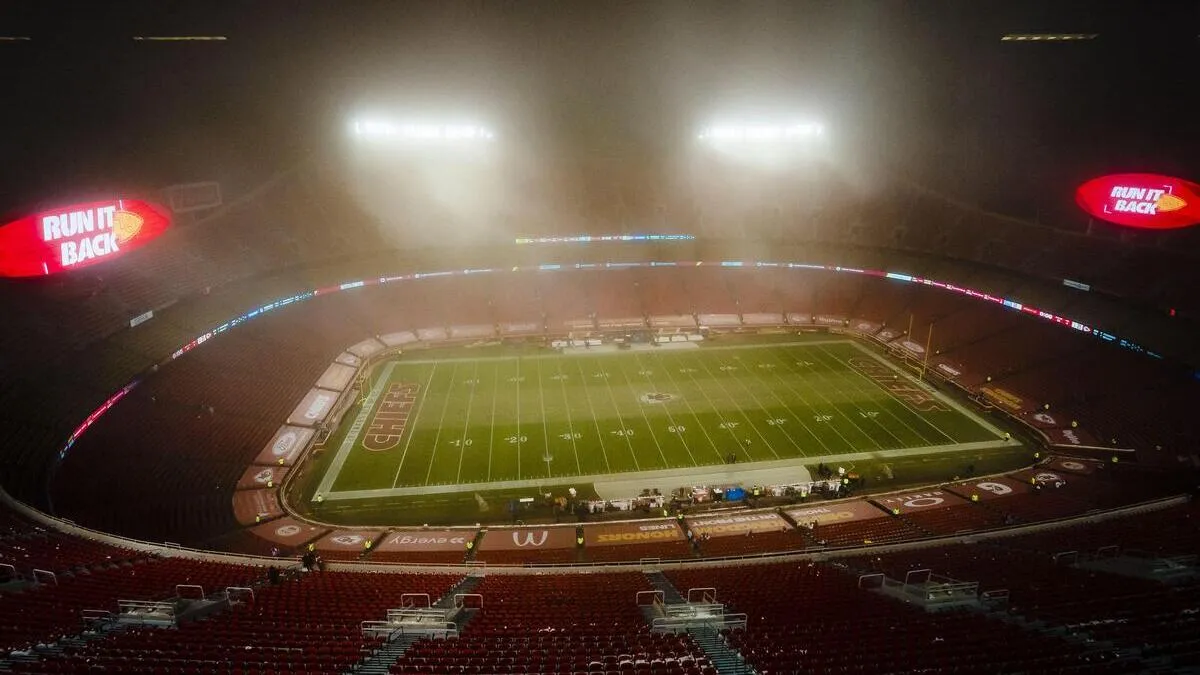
834	383
713	444
716	409
667	409
804	401
492	426
588	395
604	354
839	409
738	405
416	416
617	407
518	418
890	411
570	423
437	437
545	429
462	440
351	437
790	408
742	382
642	410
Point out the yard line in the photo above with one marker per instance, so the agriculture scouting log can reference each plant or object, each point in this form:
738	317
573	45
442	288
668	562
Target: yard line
645	419
658	357
670	418
413	431
624	429
518	417
716	409
833	405
788	407
906	406
588	396
545	427
805	402
721	383
462	441
833	384
871	386
570	424
762	408
492	428
441	424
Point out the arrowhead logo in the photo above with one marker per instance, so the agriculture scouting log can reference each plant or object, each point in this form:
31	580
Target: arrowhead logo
126	225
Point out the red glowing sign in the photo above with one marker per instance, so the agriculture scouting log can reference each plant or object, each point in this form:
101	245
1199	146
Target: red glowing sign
77	236
1144	200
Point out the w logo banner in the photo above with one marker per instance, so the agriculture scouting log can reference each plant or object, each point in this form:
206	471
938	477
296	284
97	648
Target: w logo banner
529	538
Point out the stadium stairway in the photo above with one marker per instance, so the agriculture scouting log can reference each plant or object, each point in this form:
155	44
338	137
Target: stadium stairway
381	660
727	661
661	583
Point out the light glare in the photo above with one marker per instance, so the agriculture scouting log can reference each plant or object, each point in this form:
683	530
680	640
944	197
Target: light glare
762	133
373	128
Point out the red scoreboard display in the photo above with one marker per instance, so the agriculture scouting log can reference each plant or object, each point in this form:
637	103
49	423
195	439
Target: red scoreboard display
76	236
1143	200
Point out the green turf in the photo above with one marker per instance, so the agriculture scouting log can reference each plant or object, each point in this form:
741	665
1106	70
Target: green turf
482	419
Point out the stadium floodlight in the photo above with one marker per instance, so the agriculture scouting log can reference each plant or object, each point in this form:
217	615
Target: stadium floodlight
762	133
420	132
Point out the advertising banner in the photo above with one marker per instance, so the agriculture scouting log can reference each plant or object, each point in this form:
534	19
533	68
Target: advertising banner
314	407
346	540
1069	437
397	339
1142	200
919	501
286	444
251	506
839	512
729	525
519	538
1073	465
1045	420
349	359
990	488
1003	398
644	532
336	377
366	348
261	477
79	235
288	532
413	541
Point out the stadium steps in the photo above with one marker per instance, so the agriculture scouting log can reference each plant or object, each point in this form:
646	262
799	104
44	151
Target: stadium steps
381	661
660	582
727	661
467	584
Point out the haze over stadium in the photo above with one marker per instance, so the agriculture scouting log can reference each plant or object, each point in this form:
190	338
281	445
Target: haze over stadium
655	338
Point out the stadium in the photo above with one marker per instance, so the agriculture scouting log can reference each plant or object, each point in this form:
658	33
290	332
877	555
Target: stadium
454	396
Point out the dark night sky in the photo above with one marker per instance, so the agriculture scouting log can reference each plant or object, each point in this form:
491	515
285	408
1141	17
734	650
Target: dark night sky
925	88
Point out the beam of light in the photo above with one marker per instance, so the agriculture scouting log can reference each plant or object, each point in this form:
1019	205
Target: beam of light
1048	37
762	133
179	38
417	132
15	38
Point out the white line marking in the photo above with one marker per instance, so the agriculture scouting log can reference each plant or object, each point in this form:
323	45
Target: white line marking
413	432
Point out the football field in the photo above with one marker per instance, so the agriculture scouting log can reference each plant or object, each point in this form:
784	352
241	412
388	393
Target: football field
490	421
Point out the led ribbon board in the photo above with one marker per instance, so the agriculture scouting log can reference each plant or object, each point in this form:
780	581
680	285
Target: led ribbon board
76	236
1143	200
